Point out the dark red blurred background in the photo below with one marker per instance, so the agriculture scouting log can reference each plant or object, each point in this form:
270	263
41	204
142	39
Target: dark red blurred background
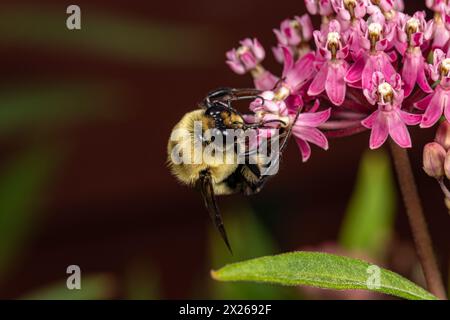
113	200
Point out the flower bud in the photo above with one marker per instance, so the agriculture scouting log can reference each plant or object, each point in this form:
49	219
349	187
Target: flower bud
443	135
447	165
434	157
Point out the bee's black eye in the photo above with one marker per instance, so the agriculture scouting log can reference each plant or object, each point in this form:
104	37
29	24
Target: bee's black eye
215	110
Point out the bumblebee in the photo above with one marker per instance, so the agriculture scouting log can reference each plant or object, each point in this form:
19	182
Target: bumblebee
217	114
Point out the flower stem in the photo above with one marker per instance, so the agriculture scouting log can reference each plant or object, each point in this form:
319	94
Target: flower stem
417	221
340	124
444	189
345	132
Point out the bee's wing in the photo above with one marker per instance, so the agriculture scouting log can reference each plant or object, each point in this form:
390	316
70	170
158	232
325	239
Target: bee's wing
207	190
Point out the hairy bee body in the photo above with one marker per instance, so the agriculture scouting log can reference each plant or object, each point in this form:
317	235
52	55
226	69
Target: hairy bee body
217	177
227	178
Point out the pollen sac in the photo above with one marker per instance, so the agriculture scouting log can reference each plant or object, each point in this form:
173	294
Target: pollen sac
434	157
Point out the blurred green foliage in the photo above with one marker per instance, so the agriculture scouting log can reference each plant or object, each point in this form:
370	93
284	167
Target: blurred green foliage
93	287
22	183
369	221
142	281
52	105
108	35
249	239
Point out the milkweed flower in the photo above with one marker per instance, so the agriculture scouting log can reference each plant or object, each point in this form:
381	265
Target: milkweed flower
294	34
389	118
439	101
296	74
376	39
347	10
247	58
332	73
439	6
367	69
304	125
305	130
412	32
319	7
441	34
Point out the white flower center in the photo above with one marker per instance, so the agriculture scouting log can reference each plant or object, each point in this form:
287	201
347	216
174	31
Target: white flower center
445	67
242	50
413	25
294	24
334	38
282	93
385	91
375	29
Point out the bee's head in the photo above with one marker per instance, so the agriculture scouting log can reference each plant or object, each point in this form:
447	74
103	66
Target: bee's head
220	117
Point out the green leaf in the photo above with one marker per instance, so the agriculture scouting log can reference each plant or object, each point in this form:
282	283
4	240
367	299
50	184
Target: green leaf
22	185
323	271
368	224
93	287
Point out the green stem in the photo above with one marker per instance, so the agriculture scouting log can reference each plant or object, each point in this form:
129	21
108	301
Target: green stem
419	228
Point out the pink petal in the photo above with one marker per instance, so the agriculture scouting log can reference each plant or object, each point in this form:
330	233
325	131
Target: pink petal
360	9
315	106
278	54
409	72
318	84
433	112
312	135
305	149
258	50
266	81
354	74
302	71
236	67
315	119
422	79
368	73
380	132
249	60
410	119
380	63
288	60
424	103
335	85
398	130
307	26
370	120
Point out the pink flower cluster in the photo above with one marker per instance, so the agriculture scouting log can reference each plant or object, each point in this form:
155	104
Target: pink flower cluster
368	66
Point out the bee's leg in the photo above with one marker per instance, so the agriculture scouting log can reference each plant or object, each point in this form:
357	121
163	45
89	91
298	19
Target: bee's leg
219	94
205	185
224	94
254	187
240	93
